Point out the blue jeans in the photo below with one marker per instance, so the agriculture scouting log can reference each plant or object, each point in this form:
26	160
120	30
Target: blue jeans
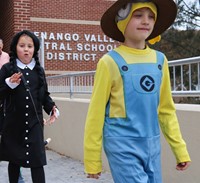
21	179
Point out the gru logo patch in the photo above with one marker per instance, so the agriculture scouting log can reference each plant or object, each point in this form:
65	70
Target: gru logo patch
147	83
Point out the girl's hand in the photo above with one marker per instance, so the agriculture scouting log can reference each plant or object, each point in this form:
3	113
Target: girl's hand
16	78
182	166
53	116
94	176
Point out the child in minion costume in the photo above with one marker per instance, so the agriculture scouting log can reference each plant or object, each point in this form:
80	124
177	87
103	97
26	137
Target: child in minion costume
131	98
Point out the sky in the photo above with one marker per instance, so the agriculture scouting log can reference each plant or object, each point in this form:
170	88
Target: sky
186	1
198	6
190	1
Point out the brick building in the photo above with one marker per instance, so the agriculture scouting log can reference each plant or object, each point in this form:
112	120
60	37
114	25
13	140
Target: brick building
73	40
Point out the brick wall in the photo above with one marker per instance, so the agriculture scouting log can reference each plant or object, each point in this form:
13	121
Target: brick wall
6	22
22	13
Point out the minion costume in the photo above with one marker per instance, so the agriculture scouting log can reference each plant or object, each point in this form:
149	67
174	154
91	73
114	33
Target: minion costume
130	99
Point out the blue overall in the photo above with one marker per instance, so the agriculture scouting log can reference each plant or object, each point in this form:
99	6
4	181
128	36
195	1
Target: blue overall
132	144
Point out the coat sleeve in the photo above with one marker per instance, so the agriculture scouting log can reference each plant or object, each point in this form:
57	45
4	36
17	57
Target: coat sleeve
5	90
168	119
48	103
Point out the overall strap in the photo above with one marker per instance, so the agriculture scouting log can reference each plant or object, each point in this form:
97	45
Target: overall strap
119	60
160	57
124	67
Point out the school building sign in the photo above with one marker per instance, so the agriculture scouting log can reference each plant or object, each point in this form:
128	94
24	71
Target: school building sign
71	32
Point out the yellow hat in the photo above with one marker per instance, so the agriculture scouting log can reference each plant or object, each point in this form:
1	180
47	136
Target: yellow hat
121	24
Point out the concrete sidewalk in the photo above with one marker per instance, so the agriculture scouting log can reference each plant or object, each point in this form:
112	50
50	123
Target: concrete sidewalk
59	169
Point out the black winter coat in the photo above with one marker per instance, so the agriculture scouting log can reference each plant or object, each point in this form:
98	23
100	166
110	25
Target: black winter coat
22	140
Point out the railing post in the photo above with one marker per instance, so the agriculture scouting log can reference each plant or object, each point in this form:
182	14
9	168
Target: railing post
174	77
41	53
190	78
71	86
198	76
182	84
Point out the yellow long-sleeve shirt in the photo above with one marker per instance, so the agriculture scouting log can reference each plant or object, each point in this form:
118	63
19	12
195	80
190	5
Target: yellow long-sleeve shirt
108	82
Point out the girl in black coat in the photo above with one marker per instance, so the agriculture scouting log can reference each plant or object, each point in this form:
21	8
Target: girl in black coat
22	142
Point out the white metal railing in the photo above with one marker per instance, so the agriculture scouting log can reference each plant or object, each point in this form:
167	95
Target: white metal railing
184	74
79	82
185	77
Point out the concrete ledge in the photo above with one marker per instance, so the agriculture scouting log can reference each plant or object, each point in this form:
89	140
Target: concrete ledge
188	107
67	137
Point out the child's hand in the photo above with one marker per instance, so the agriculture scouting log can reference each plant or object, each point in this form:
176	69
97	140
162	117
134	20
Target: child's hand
16	78
94	176
53	116
182	166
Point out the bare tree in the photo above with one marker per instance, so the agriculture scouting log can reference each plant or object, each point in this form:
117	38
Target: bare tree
188	17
